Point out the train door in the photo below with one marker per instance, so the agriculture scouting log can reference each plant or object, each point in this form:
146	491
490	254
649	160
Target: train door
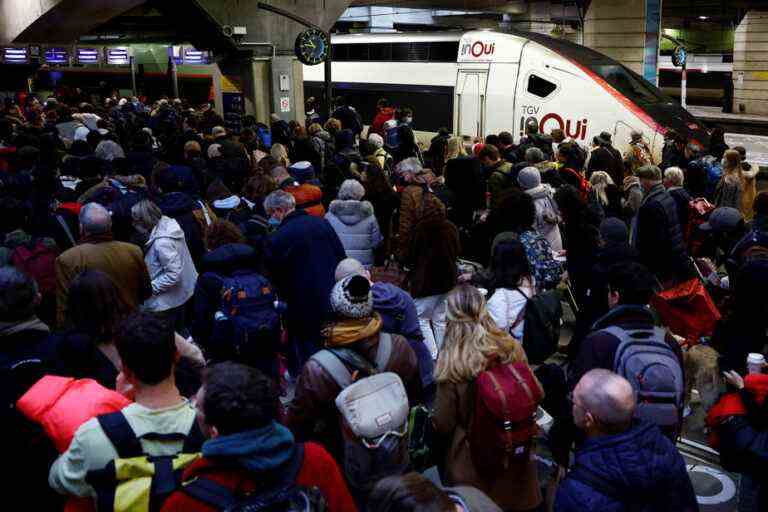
470	102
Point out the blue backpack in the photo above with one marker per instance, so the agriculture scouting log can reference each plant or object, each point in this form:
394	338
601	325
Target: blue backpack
247	324
392	138
264	136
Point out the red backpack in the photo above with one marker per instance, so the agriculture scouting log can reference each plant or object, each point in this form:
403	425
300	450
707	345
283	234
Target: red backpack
37	259
503	426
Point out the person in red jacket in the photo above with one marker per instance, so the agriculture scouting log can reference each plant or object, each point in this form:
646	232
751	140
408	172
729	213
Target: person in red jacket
249	452
384	112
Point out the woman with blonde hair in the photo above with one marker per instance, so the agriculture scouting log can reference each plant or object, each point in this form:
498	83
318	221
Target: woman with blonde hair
280	154
473	343
463	177
604	195
729	189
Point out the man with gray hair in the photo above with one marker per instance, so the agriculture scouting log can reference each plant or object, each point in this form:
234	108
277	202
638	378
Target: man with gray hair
623	464
301	256
123	262
673	182
658	234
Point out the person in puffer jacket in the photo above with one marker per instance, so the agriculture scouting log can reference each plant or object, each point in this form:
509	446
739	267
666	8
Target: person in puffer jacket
547	213
622	465
354	222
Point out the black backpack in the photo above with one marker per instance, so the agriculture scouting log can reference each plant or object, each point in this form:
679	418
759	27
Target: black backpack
286	496
542	314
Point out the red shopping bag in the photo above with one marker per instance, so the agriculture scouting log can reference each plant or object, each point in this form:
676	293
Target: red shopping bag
688	310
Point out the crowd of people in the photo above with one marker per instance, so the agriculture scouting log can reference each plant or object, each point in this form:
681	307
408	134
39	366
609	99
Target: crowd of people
310	316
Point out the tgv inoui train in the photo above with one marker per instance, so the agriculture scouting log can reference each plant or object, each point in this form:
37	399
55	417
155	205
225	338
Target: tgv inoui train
484	82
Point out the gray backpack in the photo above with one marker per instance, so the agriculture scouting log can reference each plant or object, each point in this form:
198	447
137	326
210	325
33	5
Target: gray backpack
374	414
644	358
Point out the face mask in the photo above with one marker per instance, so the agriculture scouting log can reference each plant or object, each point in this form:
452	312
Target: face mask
273	222
408	120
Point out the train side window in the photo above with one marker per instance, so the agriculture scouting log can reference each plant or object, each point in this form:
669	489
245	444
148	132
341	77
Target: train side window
540	87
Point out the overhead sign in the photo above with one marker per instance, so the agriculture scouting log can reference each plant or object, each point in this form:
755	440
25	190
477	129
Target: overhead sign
87	56
118	56
56	56
192	56
16	55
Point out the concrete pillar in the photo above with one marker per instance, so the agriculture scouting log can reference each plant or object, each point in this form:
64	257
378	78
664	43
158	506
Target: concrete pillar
627	31
262	87
750	64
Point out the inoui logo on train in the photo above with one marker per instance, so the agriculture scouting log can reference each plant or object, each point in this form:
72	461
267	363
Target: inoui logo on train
477	49
573	129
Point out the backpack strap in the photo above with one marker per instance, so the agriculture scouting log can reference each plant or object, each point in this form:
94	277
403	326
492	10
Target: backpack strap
384	353
521	315
121	435
193	443
66	229
334	366
211	493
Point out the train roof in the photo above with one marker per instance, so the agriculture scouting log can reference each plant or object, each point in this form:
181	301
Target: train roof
396	37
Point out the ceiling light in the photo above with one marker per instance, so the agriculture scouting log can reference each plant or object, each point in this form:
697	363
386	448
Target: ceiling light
703	17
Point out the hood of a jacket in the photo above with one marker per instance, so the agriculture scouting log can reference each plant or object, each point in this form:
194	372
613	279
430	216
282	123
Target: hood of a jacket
262	451
166	228
174	204
638	462
350	211
229	258
542	191
388	298
748	170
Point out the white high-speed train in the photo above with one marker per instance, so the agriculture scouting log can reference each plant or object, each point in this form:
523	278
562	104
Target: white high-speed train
483	82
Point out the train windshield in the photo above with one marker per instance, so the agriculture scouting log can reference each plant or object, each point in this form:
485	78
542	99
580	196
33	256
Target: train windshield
628	83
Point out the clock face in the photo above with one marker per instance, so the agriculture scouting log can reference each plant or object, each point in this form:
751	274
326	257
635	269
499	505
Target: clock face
312	47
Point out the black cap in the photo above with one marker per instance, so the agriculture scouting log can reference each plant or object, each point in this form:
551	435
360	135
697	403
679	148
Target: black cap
723	220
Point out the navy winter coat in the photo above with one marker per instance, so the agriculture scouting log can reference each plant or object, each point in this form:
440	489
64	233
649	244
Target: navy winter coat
302	256
640	467
221	262
398	312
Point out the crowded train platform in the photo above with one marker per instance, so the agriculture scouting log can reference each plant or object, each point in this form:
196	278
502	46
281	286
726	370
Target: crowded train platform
430	271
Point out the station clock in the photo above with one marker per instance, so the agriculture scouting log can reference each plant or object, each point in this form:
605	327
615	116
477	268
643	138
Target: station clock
312	47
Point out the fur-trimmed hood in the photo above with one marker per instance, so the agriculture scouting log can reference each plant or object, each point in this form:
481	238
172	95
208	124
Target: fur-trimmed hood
350	211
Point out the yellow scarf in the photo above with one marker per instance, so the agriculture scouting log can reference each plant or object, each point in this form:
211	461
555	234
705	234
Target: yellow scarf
351	330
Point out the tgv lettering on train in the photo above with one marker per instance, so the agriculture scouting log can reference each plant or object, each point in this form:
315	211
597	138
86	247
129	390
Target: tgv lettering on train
548	122
478	49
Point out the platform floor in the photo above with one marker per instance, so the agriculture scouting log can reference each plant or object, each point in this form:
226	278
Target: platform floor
705	112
